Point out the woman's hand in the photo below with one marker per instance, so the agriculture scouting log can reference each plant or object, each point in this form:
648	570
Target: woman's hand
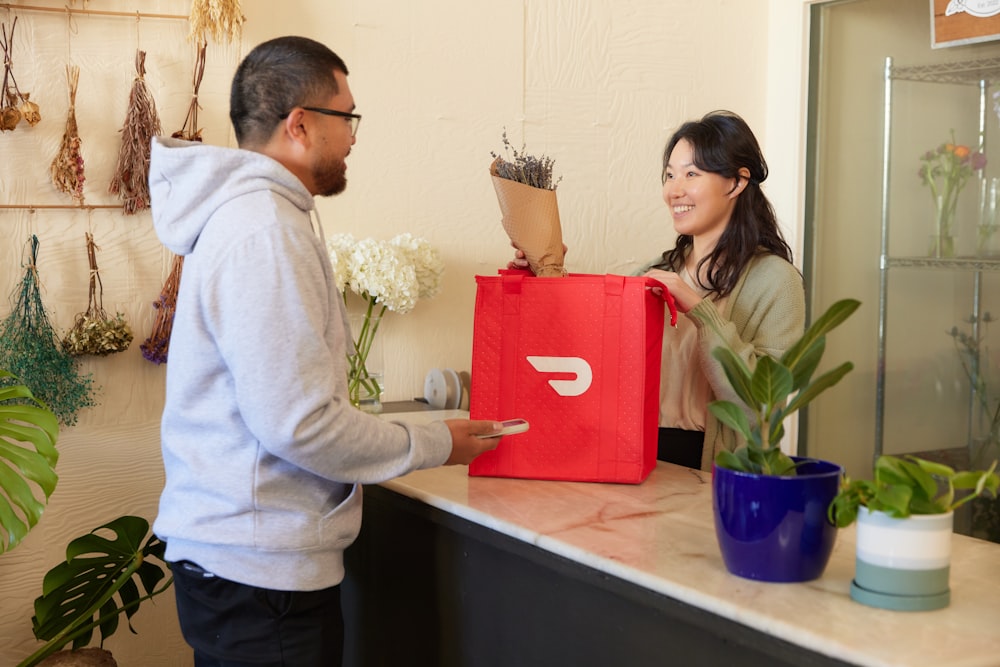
520	261
685	298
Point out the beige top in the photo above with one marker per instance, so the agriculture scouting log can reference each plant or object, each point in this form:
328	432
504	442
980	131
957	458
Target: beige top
764	314
684	389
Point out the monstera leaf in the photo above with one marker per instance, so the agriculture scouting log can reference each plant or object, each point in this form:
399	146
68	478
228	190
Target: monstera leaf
99	580
28	432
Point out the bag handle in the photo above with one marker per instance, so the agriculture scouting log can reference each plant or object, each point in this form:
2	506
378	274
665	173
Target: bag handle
512	285
667	297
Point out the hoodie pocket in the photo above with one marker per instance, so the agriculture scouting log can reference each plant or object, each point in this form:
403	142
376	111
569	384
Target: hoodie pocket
288	530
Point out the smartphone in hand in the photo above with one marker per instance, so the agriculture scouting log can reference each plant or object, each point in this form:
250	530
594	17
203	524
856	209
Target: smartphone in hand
510	427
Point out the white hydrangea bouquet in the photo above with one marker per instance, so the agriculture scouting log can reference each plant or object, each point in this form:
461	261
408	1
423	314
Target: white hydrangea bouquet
387	275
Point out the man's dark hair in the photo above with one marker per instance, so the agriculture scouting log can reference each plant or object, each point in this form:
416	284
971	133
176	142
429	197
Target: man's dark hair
275	77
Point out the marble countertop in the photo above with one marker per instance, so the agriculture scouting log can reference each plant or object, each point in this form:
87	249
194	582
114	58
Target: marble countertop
660	535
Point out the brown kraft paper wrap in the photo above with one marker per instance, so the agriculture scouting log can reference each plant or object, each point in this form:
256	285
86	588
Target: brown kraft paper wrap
531	220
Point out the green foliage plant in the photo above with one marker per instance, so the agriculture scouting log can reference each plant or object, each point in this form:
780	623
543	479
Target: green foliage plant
775	389
28	433
30	348
907	485
99	580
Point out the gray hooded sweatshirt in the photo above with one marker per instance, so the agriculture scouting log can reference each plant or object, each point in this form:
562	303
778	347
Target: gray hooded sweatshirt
263	453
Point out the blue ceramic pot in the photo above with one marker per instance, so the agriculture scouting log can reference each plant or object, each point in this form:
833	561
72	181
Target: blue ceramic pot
775	528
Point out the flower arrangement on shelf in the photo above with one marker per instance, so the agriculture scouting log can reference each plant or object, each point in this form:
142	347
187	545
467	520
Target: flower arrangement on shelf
945	172
387	275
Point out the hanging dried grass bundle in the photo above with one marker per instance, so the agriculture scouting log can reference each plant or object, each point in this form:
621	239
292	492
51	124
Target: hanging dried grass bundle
67	167
16	105
190	130
31	351
131	179
220	18
94	332
155	347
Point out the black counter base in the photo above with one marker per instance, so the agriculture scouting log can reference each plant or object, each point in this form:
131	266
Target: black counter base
425	587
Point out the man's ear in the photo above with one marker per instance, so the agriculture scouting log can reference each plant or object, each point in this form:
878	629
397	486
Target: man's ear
293	127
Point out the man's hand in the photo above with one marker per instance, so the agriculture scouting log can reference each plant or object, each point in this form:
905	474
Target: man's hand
465	441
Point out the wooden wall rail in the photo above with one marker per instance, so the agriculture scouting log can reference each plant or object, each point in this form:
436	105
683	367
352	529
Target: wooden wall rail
74	207
94	12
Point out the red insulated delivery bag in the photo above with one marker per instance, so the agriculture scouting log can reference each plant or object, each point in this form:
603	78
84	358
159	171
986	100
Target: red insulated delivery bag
578	357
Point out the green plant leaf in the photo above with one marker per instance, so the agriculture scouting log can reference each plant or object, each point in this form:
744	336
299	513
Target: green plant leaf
829	320
732	416
853	494
770	384
779	463
893	500
80	593
28	433
924	486
807	364
730	461
821	384
932	467
737	372
777	431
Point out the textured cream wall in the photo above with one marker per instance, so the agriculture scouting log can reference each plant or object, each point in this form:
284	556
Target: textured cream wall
596	85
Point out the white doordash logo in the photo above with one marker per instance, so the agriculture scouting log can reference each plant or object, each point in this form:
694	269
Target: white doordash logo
574	365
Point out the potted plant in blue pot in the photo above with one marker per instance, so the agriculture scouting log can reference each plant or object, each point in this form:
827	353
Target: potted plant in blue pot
770	509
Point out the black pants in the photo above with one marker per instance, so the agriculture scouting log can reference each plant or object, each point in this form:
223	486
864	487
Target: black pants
234	625
681	447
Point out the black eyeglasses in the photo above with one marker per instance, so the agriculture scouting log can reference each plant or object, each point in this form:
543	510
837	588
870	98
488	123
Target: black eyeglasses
353	118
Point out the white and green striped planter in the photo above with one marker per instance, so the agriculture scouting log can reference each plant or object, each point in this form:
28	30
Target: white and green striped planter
903	564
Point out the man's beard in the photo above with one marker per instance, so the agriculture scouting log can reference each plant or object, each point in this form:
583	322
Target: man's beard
330	176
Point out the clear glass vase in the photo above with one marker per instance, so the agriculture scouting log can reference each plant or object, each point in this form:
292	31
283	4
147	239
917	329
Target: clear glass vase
365	373
365	389
941	246
942	243
988	241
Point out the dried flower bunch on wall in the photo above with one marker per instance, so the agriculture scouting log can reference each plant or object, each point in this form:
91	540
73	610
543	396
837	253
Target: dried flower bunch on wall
155	347
190	130
16	105
93	331
31	351
131	178
223	19
67	167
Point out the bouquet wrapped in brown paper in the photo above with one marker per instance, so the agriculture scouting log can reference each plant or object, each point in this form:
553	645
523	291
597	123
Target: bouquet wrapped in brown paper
527	197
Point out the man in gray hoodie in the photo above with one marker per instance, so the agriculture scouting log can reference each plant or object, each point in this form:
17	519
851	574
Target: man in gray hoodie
264	454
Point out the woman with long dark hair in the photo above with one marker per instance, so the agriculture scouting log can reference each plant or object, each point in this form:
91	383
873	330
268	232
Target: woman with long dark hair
730	273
